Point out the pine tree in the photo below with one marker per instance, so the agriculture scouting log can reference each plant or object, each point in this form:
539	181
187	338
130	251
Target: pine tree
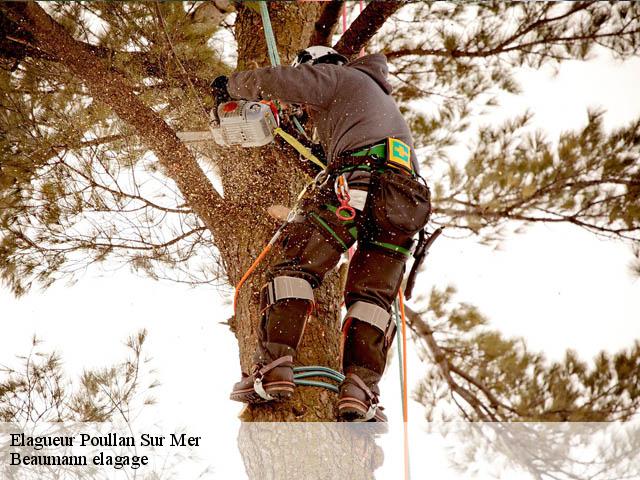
92	170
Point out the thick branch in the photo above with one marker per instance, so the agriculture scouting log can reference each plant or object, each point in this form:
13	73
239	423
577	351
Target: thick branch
365	26
326	24
112	89
18	44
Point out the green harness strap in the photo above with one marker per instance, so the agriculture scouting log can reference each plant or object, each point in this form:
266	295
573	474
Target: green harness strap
379	151
392	247
333	233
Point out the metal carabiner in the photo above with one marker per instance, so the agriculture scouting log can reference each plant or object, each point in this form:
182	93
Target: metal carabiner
341	188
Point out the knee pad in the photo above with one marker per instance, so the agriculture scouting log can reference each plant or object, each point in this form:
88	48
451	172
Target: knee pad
285	305
284	287
369	339
305	253
375	274
375	316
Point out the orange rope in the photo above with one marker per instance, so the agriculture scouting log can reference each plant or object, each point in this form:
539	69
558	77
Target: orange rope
404	354
344	17
248	273
405	410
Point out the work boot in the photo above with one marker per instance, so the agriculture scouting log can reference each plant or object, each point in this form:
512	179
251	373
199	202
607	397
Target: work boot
285	303
357	400
273	381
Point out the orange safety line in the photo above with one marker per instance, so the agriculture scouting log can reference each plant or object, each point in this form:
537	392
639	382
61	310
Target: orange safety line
248	273
344	17
405	410
404	353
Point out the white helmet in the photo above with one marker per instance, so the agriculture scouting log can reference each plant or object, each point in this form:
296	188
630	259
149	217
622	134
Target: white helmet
319	54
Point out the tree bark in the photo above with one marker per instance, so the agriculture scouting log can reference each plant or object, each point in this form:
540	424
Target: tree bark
275	178
366	25
326	24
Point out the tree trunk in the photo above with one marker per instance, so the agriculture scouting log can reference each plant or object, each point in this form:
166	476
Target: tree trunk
276	179
253	179
321	451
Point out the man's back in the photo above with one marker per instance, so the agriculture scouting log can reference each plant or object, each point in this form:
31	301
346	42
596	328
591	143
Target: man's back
362	111
350	105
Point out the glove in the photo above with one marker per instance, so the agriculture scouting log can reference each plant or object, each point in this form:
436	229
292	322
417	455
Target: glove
219	89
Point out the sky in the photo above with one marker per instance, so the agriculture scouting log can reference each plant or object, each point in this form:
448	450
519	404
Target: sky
557	286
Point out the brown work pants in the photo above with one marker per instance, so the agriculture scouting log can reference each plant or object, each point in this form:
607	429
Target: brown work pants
396	208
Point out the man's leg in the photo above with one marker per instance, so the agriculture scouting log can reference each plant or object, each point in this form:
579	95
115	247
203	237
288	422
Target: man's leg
309	250
372	284
306	256
397	208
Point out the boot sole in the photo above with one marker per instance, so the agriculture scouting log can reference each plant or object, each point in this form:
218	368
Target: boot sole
280	391
353	410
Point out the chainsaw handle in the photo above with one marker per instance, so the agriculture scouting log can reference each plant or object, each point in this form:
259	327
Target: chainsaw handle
220	95
215	118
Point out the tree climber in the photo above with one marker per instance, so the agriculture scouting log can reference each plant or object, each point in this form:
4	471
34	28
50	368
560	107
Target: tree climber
372	192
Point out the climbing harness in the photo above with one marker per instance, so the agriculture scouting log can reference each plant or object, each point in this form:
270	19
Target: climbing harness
305	375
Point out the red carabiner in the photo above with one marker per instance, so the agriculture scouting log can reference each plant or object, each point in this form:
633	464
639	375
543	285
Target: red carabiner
345	207
342	192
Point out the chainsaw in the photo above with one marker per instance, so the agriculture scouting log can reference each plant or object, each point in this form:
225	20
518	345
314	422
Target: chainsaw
238	123
244	123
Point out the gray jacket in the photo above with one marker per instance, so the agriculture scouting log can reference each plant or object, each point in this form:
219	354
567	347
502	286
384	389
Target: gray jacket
350	105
